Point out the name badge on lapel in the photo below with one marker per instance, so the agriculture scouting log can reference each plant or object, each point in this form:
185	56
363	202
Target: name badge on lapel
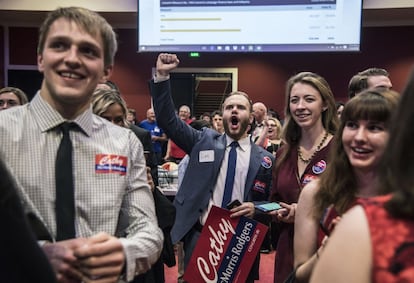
206	156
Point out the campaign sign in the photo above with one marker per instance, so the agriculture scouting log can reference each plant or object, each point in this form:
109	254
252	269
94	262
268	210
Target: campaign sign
226	249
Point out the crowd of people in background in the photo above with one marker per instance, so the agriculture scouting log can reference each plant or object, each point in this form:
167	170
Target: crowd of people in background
341	170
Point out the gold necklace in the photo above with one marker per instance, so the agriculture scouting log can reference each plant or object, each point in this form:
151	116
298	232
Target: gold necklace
318	148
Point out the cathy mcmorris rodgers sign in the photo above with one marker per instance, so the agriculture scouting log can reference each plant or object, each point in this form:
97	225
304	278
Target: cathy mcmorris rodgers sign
226	249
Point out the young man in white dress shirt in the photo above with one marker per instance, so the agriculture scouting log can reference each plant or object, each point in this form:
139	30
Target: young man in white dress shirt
75	52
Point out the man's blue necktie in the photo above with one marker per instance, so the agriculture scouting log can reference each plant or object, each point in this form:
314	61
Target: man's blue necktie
231	170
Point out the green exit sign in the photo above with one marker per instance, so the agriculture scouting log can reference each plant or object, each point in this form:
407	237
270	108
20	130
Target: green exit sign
194	54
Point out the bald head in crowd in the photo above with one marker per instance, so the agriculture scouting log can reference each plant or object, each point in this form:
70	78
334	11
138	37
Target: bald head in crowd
259	112
184	112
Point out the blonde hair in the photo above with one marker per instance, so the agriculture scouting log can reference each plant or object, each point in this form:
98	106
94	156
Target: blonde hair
102	99
278	126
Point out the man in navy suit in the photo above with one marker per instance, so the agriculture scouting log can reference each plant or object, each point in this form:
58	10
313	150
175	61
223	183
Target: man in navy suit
204	180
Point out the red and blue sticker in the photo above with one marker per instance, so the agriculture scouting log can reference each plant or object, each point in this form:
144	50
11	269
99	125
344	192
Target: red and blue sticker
111	163
267	162
307	178
259	186
319	167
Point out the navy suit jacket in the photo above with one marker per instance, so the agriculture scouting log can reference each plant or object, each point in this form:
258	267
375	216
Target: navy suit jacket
200	177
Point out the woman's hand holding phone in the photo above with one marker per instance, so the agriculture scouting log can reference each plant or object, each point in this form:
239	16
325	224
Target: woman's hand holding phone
267	206
286	213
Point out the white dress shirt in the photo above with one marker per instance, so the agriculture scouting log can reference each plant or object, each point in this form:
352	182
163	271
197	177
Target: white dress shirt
109	176
242	167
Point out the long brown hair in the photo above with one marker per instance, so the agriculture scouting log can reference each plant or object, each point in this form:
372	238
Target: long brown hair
338	184
291	132
397	165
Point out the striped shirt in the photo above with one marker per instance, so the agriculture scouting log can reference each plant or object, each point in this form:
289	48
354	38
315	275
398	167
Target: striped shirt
109	177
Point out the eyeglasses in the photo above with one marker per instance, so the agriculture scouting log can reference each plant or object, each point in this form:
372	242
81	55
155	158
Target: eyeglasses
8	102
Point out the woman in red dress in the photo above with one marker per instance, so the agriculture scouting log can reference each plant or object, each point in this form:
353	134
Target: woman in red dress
352	174
374	242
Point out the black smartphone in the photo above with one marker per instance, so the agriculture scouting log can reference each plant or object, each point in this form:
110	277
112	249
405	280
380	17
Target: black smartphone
233	204
268	206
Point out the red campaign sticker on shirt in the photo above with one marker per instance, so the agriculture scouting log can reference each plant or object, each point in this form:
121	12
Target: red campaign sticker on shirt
319	167
111	163
307	178
259	186
267	162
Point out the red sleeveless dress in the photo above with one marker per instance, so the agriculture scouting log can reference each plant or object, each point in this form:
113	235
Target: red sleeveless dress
392	243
